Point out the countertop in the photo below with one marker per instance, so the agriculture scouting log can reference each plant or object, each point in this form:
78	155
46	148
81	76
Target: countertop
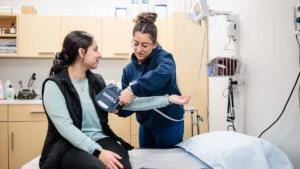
34	101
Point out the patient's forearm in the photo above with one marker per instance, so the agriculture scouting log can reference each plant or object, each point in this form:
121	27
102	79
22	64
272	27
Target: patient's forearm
147	103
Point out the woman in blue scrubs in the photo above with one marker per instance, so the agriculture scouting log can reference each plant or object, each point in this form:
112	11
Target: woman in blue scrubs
152	72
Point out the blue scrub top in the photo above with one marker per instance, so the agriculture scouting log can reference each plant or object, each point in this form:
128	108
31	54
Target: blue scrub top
155	77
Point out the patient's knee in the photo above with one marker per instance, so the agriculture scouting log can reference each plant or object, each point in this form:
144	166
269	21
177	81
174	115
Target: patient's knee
94	165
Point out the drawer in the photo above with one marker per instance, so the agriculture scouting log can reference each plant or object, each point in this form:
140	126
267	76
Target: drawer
26	113
3	113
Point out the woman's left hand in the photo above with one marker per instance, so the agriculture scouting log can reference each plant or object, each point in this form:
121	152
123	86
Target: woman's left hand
126	97
115	112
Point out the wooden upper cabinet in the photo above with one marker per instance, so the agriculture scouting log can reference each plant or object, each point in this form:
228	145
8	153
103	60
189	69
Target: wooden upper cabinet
39	36
8	40
91	25
162	32
42	36
116	37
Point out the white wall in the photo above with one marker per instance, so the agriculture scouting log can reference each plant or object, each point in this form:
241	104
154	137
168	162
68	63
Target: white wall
90	7
269	51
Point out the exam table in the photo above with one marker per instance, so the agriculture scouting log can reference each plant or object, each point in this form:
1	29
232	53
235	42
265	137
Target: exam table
215	150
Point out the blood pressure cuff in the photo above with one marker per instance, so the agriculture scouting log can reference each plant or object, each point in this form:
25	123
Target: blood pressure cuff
108	98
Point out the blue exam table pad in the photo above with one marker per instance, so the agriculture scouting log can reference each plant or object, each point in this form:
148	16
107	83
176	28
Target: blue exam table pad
217	150
231	150
175	158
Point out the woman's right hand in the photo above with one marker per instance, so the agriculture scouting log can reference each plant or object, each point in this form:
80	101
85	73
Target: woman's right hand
110	159
126	96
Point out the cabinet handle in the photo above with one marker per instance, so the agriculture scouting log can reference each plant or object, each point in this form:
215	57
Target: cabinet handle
38	112
12	141
46	53
122	54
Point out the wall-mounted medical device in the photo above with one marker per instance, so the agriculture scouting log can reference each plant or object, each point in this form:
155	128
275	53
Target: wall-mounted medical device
222	66
200	11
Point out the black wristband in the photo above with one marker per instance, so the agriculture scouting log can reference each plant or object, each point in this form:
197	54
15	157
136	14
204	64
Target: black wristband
96	153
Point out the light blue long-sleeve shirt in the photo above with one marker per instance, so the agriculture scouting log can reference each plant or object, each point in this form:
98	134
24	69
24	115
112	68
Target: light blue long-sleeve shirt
91	131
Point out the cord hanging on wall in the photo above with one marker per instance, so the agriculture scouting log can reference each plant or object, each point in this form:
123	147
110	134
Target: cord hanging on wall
230	106
297	32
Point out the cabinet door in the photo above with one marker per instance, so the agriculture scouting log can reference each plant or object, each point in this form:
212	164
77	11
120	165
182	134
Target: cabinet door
190	51
3	145
134	131
162	32
26	140
120	125
116	37
39	36
91	25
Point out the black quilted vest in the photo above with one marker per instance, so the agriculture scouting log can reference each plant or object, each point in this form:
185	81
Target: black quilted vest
55	145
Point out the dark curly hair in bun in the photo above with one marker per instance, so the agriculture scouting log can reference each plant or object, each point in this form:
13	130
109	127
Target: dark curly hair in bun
144	23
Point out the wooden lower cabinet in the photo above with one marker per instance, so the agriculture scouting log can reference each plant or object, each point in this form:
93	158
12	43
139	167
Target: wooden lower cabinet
121	126
3	145
22	133
135	141
134	131
23	130
26	140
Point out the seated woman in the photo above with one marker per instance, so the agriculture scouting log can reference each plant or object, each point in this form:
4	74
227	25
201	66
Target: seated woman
78	132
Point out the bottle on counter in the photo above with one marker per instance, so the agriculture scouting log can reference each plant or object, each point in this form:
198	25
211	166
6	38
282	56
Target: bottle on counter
12	29
7	84
10	93
1	90
3	31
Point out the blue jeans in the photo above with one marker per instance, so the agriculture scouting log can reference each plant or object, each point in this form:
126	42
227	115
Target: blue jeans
161	137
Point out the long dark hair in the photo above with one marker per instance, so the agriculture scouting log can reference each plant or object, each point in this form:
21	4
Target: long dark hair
67	56
144	23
